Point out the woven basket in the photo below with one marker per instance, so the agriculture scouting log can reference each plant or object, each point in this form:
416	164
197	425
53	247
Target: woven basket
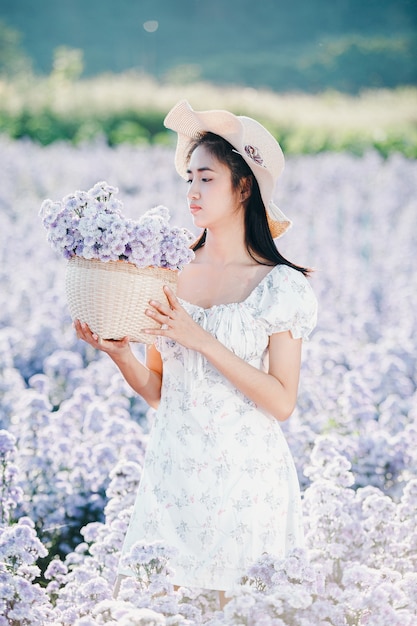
112	297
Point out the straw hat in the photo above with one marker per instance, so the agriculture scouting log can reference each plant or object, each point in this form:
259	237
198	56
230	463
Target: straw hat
250	139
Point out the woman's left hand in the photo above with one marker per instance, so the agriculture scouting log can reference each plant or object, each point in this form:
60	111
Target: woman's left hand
176	323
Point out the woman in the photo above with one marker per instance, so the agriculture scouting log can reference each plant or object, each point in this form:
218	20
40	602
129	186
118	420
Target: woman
219	483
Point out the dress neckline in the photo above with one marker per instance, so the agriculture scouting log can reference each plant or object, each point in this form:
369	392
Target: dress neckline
227	304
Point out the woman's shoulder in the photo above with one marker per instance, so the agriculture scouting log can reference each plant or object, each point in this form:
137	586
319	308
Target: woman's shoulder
289	279
287	301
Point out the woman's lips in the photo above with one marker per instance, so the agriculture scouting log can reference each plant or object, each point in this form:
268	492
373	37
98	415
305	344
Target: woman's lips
194	208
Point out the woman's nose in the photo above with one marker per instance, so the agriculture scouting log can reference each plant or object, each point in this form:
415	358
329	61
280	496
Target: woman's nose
193	191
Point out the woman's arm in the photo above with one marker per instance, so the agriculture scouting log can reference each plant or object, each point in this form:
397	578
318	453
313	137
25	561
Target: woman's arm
274	391
146	380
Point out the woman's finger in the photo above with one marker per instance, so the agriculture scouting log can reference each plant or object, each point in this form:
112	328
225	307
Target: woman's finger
161	309
162	312
159	316
172	298
84	332
79	329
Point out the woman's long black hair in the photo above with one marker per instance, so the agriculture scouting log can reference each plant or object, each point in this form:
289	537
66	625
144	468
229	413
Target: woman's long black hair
258	239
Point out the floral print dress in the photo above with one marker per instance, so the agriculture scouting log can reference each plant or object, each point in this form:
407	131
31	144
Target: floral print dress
219	483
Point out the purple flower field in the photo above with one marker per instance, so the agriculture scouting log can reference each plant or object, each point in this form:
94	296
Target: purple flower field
73	435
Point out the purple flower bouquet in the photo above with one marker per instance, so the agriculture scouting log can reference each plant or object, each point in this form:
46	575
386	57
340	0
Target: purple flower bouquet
116	265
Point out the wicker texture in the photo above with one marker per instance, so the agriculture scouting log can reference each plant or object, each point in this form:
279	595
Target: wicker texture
112	297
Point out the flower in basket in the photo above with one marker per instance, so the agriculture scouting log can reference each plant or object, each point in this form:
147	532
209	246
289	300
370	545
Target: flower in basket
91	225
116	264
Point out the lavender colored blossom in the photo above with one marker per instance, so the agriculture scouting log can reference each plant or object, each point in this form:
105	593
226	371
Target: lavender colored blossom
149	563
7	443
23	600
10	491
81	433
91	224
142	617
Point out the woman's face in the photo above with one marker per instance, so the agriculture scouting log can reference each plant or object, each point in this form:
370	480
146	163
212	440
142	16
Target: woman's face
211	198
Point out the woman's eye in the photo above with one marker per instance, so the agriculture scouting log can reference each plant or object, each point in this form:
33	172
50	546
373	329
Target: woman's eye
203	180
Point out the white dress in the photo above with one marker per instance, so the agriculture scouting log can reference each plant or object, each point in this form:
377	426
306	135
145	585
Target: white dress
219	482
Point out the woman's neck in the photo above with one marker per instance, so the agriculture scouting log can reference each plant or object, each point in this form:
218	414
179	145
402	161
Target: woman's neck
225	247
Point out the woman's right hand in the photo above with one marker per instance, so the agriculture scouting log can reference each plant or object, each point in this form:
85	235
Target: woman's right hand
114	348
146	380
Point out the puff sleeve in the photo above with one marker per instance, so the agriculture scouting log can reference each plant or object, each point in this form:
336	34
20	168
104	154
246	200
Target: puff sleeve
288	302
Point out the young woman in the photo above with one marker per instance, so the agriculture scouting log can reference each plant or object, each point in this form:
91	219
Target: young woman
219	483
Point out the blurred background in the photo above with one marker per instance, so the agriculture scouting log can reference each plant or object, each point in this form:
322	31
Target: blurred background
78	68
306	45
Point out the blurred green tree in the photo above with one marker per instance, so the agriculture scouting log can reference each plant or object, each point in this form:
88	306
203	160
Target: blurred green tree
13	61
68	64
